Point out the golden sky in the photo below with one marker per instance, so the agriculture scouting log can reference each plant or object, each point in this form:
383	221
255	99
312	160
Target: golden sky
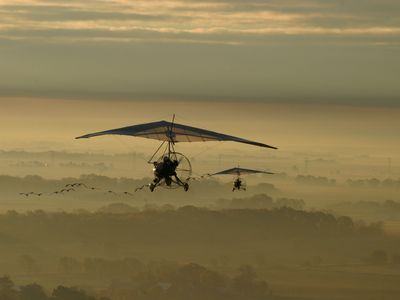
119	20
52	124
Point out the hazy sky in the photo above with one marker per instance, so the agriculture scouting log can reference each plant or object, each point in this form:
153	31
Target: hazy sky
43	124
343	51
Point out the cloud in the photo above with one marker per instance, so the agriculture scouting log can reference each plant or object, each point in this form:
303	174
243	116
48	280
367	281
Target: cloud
248	49
47	13
241	21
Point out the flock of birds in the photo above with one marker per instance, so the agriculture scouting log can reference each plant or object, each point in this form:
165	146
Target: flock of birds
73	187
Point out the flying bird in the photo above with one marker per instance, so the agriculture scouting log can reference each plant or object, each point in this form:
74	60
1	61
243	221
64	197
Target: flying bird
110	192
76	184
91	188
26	194
67	190
141	187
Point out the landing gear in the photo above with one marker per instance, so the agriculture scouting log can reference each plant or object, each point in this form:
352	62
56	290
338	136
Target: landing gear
168	181
186	186
172	170
152	187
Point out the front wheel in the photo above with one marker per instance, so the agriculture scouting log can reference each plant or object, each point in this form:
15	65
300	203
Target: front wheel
186	187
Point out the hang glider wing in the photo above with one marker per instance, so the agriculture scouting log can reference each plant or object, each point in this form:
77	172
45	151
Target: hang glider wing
172	132
240	171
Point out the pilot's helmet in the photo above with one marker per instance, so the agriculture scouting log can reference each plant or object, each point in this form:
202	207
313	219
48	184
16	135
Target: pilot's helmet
166	158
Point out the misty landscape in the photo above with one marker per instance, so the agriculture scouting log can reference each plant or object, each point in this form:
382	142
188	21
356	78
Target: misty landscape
205	150
306	232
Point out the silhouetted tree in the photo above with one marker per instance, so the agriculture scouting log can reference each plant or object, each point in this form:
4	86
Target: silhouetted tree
378	257
28	263
65	293
247	284
193	278
396	259
7	291
69	264
32	292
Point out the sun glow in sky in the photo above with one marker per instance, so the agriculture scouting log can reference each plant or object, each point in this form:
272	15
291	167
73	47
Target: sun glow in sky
140	20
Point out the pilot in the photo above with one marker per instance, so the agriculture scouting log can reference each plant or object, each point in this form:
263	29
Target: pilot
165	170
237	184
